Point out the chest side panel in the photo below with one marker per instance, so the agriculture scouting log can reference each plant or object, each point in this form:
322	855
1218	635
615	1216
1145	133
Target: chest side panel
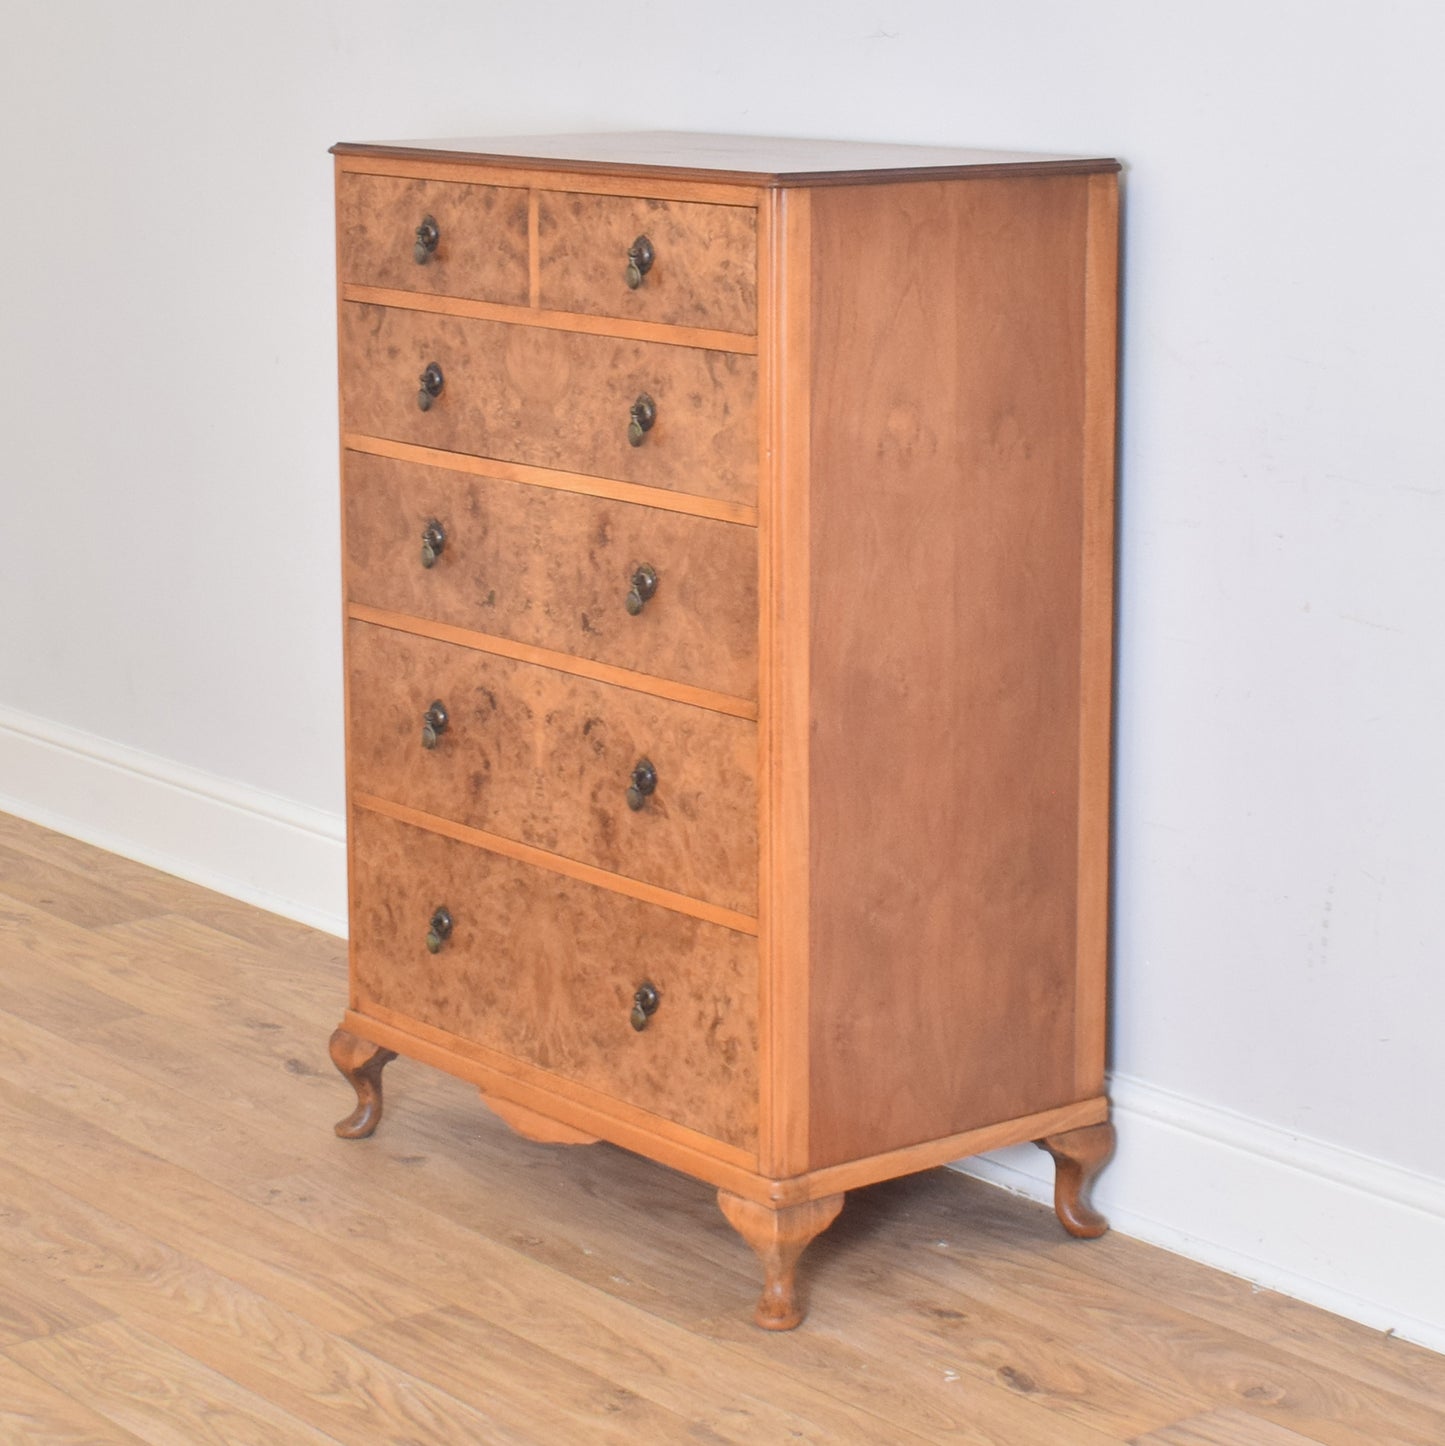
945	574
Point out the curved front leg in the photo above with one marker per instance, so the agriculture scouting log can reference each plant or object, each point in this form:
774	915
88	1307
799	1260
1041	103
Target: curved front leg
361	1062
1079	1155
779	1236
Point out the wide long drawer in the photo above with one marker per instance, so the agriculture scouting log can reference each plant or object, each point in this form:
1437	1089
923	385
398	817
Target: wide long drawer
556	570
546	969
548	759
678	417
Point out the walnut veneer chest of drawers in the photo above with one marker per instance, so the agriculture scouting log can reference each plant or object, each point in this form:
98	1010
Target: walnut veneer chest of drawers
728	575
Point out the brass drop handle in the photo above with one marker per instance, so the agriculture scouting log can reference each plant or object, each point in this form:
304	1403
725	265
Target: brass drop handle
644	1005
643	785
432	382
439	929
433	724
643	416
427	236
433	543
640	257
644	584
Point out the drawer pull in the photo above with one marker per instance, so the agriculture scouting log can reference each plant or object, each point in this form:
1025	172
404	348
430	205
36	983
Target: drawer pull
640	257
643	785
427	236
432	382
643	416
439	929
433	724
433	543
644	584
644	1005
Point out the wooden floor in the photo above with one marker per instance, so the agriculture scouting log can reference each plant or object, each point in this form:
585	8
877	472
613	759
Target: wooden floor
188	1254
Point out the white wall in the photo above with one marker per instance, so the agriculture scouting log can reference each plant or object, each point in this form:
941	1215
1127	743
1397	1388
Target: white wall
170	581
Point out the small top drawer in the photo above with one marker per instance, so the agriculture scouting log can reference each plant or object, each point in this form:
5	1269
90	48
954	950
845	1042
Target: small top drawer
696	265
435	237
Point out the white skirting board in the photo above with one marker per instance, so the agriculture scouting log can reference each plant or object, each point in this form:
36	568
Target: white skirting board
1359	1237
1352	1234
268	851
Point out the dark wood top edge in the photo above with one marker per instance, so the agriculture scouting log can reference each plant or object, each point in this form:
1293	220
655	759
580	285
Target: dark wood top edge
1045	166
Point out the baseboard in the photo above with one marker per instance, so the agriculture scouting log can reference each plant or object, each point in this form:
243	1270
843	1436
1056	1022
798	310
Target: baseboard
1351	1234
268	851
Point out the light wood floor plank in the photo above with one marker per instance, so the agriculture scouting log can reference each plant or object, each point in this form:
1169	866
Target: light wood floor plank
320	1280
172	1122
202	1316
35	1413
306	982
34	1302
161	1395
1225	1428
533	1392
33	989
78	897
157	893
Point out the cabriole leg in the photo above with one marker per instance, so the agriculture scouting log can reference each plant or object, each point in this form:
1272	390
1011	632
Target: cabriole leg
361	1062
1079	1155
779	1236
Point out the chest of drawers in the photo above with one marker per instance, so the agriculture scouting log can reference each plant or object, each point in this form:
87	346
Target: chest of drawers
728	538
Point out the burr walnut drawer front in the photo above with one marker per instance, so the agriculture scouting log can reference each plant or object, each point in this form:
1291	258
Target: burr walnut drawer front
435	237
678	417
641	588
553	971
658	791
675	262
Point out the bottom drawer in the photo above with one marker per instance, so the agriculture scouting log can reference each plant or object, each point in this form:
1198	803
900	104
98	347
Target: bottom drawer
545	968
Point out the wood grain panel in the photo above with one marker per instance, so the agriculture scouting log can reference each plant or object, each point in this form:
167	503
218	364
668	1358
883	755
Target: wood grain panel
544	968
546	757
554	569
945	534
704	274
554	399
481	253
